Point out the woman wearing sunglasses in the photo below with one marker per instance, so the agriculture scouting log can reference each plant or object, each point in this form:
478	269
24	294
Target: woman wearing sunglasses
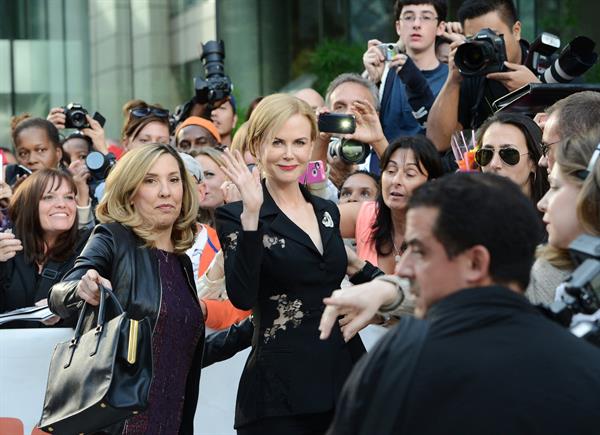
144	124
571	208
509	145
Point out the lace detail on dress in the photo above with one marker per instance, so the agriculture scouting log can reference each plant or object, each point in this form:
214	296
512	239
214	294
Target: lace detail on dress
270	241
230	243
289	312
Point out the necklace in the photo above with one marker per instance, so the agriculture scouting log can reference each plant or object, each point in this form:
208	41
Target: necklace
398	251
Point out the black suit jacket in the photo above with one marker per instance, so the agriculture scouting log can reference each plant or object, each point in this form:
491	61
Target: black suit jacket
278	273
488	363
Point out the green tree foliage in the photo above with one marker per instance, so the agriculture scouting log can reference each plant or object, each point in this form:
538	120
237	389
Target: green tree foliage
331	58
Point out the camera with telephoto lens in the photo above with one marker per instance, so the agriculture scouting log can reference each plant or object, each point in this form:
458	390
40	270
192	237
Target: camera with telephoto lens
579	307
481	54
216	86
348	150
75	116
572	62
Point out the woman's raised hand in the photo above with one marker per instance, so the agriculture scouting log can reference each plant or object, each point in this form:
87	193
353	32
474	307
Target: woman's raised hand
88	287
9	246
248	184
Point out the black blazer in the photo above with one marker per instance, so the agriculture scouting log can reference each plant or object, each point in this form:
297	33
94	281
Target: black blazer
279	273
119	255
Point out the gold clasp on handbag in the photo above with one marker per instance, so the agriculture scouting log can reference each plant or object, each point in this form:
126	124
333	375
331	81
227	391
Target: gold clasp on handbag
133	339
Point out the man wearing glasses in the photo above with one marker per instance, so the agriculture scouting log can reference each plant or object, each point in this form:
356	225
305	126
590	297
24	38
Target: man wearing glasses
466	102
573	116
410	80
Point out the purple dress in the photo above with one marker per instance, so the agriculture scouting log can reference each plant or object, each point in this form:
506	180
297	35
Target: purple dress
177	331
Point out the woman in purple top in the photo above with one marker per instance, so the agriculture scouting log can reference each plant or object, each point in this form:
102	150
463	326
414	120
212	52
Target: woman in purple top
147	220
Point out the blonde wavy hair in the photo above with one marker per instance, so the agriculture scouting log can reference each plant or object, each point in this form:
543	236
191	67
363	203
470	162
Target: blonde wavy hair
269	116
572	158
124	181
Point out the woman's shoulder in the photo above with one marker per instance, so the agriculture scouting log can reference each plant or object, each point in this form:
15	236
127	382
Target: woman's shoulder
367	211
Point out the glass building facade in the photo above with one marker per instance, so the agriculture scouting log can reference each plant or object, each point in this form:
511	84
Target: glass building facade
102	53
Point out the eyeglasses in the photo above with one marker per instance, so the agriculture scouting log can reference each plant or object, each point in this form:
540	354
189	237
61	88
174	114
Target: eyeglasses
546	147
510	156
142	112
411	18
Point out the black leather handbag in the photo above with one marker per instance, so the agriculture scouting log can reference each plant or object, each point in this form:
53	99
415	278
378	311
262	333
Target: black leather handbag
101	377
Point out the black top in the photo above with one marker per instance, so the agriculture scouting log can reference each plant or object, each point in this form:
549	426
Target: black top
279	273
22	285
173	342
489	363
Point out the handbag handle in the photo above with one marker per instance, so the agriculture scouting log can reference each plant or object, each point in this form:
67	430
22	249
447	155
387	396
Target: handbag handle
99	324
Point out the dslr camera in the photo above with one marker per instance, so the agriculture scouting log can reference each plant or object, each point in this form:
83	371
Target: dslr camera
216	86
579	307
481	54
75	117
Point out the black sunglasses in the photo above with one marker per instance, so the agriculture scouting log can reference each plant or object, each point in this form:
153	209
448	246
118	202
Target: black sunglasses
510	156
142	112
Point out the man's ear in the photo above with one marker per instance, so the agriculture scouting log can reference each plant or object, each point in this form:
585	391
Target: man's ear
441	28
398	25
477	265
516	30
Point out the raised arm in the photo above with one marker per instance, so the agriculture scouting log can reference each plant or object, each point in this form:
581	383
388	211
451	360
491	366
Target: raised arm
443	117
241	236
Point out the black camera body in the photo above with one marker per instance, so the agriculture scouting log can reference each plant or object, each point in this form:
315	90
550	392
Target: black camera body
481	54
216	86
75	115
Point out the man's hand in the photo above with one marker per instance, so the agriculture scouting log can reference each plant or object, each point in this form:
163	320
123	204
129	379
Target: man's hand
96	133
374	61
398	62
57	117
357	305
453	32
368	126
517	76
454	75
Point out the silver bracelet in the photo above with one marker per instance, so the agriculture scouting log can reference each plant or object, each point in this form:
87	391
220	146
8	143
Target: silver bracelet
392	279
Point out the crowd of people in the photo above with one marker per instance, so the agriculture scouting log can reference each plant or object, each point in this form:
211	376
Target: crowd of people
204	228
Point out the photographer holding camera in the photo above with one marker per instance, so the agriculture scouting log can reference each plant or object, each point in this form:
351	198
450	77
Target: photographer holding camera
212	91
88	172
466	100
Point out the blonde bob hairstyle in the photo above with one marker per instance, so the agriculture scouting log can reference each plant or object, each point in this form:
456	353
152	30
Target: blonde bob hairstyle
269	116
572	158
123	183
